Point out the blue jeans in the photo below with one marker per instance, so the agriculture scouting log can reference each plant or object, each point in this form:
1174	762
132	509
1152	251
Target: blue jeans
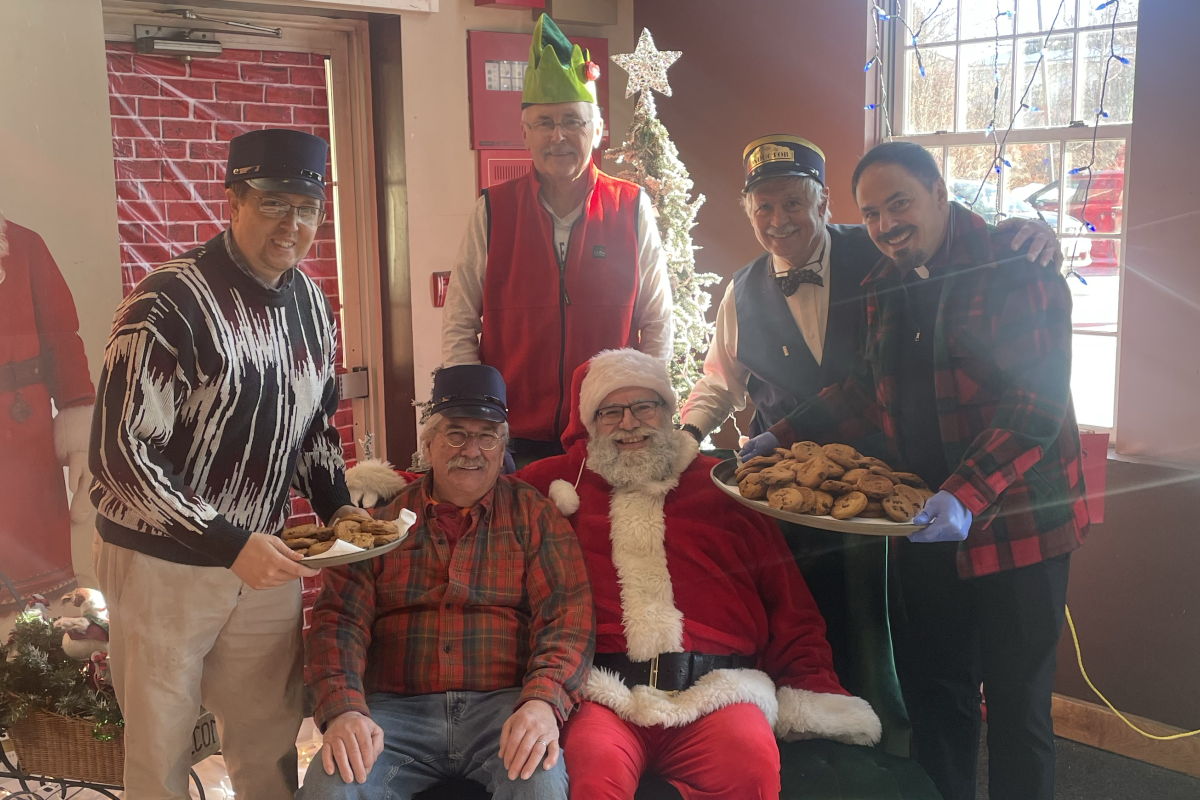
430	738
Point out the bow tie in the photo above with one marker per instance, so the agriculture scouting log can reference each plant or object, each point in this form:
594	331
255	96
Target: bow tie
790	281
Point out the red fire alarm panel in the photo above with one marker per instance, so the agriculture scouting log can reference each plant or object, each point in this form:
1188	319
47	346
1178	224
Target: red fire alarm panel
496	76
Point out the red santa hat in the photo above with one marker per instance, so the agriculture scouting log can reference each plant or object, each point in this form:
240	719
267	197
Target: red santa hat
611	370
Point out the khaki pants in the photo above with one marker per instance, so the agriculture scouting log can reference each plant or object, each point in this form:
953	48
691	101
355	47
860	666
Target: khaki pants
183	635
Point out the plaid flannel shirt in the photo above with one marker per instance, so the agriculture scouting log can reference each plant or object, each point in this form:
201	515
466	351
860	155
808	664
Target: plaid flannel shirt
1002	369
509	605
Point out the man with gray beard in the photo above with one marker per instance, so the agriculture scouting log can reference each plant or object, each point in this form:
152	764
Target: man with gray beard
708	643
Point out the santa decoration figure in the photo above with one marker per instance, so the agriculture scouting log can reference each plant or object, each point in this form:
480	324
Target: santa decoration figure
41	360
708	643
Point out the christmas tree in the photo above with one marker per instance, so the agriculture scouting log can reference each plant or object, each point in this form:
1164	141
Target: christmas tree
655	166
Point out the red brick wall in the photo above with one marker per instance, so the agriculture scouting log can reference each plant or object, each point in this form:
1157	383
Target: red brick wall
172	122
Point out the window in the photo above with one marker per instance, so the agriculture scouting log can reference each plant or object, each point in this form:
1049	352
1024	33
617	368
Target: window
981	66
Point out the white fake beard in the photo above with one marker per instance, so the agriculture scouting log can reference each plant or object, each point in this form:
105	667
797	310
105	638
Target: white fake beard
654	462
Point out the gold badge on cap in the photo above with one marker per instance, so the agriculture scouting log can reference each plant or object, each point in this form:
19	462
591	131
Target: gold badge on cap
768	153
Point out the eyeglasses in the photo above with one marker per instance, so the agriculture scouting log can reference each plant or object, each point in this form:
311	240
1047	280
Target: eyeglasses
274	208
485	440
569	125
642	410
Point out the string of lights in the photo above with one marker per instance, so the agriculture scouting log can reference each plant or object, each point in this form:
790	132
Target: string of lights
879	17
998	143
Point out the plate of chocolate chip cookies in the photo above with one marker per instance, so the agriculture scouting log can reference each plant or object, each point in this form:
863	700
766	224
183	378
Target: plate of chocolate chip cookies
833	487
349	540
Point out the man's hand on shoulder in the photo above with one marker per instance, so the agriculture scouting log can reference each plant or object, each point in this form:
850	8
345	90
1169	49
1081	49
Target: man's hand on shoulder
266	562
351	744
1042	240
529	737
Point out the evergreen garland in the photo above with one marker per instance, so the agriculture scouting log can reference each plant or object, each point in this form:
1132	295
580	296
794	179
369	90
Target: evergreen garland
35	673
655	166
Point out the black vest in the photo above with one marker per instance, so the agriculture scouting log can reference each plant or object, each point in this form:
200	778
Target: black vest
780	382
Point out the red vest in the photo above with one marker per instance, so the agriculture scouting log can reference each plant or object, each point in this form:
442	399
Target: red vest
540	322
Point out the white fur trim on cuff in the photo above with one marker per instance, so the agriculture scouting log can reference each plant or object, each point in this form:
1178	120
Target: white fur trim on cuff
647	707
72	431
812	715
565	497
373	482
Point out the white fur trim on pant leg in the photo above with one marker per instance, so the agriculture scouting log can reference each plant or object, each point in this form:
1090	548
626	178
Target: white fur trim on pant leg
564	496
72	431
813	715
646	707
373	482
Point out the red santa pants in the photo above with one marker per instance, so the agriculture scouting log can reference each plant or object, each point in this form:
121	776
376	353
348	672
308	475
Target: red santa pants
729	754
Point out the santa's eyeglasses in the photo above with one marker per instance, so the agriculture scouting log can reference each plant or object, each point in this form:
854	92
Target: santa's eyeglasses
643	410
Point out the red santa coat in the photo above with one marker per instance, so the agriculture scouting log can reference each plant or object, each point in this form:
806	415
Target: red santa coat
676	566
38	318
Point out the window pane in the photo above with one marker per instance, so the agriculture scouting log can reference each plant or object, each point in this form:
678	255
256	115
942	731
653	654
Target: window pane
1118	96
1103	189
1037	15
1095	302
1032	180
979	19
1049	97
933	20
939	157
983	65
930	106
1126	12
965	174
1094	379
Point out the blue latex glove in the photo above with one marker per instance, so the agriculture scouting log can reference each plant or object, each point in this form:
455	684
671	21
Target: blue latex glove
947	518
510	466
762	445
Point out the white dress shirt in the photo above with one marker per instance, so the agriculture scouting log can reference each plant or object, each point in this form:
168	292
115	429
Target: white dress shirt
462	316
722	390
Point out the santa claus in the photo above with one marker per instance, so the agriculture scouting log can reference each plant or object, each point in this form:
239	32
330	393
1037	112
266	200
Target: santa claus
41	360
708	645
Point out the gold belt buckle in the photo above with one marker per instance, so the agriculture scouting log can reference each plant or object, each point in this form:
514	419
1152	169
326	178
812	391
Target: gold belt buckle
654	672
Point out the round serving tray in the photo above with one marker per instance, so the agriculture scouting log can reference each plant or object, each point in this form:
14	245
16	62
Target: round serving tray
405	522
723	476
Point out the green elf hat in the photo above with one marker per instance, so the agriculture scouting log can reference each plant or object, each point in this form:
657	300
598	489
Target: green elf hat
558	71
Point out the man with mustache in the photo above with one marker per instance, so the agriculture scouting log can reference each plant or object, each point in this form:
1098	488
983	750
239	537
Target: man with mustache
216	399
708	644
462	652
789	322
559	264
788	326
966	378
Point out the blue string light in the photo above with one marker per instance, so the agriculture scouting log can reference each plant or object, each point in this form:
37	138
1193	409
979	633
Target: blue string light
867	68
870	106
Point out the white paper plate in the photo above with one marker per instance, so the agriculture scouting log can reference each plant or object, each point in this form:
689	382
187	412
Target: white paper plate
335	559
723	475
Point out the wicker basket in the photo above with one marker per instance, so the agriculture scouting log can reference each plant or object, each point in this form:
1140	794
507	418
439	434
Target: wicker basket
52	745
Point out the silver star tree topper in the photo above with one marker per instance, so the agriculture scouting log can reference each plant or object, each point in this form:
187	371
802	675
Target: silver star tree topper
647	66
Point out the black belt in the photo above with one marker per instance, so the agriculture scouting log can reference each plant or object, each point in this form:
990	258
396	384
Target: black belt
19	374
671	672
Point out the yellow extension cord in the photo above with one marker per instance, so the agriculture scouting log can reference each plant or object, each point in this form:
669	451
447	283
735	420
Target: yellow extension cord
1079	657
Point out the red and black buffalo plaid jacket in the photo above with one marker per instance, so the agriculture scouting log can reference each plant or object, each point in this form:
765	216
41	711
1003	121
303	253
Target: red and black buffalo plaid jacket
1002	360
508	605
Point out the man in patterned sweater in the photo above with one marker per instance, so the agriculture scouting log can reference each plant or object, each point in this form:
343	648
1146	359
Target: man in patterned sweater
216	398
966	381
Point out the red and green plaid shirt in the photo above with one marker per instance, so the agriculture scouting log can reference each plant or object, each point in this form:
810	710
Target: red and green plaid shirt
1002	372
509	605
